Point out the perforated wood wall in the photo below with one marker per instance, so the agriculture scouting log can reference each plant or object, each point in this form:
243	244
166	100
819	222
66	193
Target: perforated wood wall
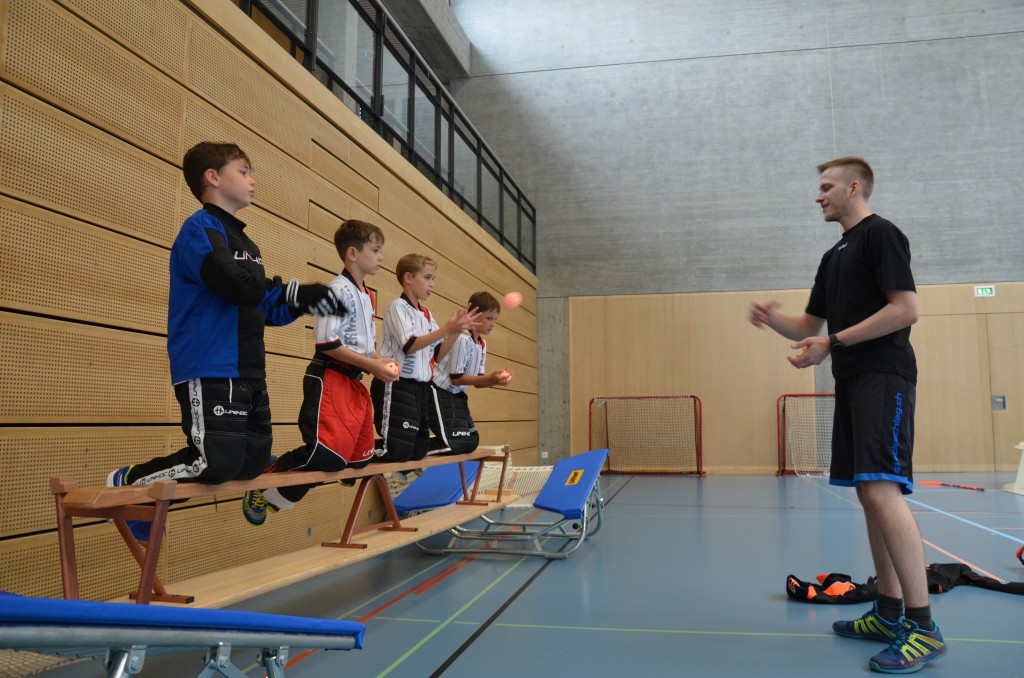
99	99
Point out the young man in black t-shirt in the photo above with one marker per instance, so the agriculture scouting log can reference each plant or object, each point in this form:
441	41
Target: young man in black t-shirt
865	291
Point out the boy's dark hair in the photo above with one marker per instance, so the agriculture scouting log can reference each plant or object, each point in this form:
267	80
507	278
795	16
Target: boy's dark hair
207	155
484	302
412	263
355	233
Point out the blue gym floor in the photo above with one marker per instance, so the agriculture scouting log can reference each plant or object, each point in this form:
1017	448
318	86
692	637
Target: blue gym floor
686	577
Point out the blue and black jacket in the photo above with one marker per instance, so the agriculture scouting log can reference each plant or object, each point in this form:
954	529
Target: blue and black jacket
220	300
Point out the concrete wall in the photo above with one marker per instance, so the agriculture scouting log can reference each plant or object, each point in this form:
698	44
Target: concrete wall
670	145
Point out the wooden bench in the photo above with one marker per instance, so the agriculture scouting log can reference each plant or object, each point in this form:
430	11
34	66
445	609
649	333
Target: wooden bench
151	503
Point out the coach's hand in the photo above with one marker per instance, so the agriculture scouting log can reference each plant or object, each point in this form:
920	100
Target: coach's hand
314	298
761	313
813	351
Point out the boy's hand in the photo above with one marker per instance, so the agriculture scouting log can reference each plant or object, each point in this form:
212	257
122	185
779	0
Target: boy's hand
386	370
501	377
461	321
314	298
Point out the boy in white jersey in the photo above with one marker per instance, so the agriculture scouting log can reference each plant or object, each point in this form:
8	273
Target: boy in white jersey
462	367
401	410
336	418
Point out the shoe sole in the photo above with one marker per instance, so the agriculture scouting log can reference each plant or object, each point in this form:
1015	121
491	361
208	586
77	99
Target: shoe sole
914	669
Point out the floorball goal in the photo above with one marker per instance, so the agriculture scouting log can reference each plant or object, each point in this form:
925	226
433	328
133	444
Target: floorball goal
648	434
805	433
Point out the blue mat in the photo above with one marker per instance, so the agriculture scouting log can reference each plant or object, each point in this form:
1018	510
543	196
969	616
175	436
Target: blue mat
24	611
569	485
438	486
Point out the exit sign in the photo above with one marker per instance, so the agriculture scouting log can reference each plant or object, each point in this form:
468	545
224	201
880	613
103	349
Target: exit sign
984	290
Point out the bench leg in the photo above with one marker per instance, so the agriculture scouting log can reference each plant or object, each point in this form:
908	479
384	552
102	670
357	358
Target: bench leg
66	543
150	586
394	524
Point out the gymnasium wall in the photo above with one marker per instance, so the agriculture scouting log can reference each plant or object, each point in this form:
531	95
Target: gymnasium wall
100	99
670	146
968	349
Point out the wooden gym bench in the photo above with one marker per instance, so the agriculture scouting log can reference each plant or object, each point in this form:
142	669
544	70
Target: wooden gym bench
120	634
572	491
151	503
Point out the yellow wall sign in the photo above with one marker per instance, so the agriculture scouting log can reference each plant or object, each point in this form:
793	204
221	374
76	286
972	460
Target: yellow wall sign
574	478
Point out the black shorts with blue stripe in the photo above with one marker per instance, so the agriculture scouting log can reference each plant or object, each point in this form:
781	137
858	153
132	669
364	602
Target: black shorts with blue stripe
873	430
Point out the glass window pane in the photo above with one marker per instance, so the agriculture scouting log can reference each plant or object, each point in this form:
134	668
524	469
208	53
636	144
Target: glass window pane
345	45
465	169
395	88
526	245
425	115
490	198
291	13
445	164
510	217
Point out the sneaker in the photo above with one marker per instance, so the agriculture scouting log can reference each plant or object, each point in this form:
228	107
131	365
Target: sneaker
400	476
871	626
118	477
911	650
254	507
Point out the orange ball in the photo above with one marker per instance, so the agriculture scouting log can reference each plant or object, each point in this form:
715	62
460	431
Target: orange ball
512	300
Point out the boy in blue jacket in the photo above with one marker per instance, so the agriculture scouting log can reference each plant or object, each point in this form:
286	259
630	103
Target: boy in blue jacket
220	301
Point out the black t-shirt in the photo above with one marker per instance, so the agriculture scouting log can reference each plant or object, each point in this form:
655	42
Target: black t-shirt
852	279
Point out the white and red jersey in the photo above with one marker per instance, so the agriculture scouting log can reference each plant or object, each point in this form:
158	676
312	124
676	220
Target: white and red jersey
465	357
355	330
404	321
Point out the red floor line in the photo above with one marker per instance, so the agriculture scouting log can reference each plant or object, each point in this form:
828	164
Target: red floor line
419	588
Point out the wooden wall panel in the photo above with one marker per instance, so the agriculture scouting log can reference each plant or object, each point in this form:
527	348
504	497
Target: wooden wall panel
953	425
1006	375
516	434
967	349
234	83
698	344
56	56
54	160
85	278
86	374
344	177
155	31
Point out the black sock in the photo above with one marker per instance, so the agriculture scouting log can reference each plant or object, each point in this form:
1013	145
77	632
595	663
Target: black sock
890	609
922	616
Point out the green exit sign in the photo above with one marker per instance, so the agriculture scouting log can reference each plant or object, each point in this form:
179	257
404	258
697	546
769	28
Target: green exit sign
984	290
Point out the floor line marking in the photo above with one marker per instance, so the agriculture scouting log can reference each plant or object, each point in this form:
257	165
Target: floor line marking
969	522
961	560
765	634
412	650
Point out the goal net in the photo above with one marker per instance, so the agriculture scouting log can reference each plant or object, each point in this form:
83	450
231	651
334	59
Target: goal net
648	434
805	433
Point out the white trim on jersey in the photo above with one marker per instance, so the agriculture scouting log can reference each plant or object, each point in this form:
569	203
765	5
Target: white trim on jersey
402	322
355	330
465	357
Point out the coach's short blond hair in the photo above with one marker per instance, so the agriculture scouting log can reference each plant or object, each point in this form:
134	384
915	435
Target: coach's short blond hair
412	263
856	168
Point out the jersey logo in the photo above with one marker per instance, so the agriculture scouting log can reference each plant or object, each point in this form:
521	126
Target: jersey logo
243	255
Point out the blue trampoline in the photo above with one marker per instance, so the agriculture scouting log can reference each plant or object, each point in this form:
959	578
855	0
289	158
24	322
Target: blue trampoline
121	633
573	491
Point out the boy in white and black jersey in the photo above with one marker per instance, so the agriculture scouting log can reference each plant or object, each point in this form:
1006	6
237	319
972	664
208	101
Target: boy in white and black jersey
336	417
401	410
462	367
